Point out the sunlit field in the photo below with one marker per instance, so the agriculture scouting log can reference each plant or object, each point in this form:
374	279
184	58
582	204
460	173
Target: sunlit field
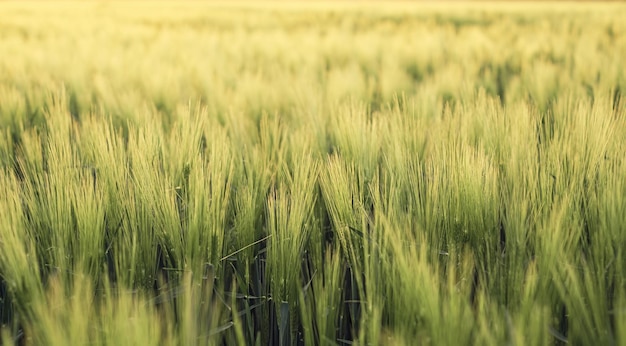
288	173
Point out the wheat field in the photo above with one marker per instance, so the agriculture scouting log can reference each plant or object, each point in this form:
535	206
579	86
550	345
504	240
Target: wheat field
312	173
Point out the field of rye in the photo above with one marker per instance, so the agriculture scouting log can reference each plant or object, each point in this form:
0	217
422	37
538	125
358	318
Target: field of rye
288	173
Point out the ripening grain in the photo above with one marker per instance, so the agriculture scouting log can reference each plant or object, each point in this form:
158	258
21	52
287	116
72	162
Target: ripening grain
322	173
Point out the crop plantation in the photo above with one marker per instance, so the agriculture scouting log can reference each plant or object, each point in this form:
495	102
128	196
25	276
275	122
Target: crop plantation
312	173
